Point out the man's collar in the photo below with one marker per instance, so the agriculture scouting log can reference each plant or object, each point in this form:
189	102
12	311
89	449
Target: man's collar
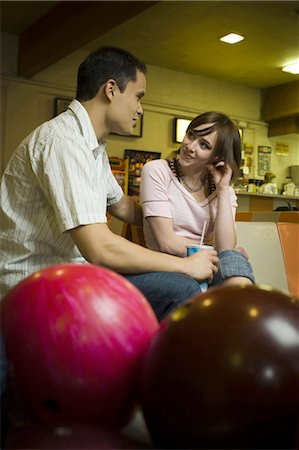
84	121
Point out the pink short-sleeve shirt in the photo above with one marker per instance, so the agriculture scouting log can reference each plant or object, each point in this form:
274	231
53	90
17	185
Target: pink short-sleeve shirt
162	195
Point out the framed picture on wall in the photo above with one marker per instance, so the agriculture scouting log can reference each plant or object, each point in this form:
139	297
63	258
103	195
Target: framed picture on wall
264	159
137	130
137	159
61	104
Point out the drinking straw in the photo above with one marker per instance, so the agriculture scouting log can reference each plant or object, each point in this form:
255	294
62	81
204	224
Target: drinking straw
203	232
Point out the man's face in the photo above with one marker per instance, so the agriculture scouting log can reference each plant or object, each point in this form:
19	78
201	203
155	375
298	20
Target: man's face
126	106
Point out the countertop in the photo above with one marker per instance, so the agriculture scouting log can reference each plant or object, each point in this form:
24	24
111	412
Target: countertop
258	194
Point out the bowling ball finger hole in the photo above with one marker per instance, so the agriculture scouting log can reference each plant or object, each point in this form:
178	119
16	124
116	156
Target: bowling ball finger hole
50	405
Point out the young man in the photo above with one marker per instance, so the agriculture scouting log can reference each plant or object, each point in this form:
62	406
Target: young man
58	185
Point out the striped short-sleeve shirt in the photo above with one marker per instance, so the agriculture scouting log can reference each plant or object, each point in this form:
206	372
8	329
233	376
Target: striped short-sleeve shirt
58	179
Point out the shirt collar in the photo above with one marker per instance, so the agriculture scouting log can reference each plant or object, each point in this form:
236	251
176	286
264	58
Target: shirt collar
87	129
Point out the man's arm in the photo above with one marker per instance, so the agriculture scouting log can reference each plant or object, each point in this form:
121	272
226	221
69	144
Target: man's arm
100	246
128	210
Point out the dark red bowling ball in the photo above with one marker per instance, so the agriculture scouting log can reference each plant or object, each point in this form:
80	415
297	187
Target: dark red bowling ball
223	372
75	336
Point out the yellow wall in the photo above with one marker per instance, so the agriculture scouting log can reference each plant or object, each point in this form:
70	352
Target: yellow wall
27	103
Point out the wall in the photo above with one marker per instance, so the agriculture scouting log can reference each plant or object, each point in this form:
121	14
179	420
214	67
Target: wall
279	163
27	103
170	94
24	104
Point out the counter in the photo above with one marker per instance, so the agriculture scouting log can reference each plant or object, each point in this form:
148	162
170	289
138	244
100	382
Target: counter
252	201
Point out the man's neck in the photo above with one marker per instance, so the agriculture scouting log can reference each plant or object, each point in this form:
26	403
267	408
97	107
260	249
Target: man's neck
97	118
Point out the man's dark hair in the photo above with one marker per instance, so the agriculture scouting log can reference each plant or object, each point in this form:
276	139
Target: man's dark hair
103	64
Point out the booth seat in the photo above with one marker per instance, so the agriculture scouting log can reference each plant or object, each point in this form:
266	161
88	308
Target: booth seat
289	238
268	216
273	250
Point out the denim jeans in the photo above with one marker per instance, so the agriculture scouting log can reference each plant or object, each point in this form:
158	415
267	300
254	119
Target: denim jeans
165	291
232	263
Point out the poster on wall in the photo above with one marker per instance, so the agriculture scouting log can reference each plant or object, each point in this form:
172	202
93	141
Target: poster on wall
248	159
264	159
282	149
137	159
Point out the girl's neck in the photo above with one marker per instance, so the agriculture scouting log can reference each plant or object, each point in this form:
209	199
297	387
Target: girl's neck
204	177
189	178
190	172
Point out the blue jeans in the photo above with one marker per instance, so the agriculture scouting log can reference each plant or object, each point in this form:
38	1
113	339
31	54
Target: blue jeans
165	291
232	263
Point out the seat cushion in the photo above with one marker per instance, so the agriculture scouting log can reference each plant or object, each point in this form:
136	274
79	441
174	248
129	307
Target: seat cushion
289	238
261	242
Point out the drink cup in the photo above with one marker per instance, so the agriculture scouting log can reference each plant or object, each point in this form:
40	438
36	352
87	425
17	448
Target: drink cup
191	249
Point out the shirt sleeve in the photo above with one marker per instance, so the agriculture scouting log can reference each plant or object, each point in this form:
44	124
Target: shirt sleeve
73	182
155	181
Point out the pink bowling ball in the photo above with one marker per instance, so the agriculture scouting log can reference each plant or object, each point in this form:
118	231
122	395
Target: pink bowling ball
75	336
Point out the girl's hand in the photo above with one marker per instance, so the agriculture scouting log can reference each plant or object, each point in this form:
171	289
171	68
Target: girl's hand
222	174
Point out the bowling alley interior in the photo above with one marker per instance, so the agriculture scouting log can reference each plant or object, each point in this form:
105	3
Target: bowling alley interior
190	70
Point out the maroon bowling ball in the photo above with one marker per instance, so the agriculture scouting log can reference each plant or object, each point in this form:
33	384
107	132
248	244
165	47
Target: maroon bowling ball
223	372
75	336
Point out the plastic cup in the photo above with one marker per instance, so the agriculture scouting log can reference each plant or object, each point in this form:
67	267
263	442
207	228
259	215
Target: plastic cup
191	249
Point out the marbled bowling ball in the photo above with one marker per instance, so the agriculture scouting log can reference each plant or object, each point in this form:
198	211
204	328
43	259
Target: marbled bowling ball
75	337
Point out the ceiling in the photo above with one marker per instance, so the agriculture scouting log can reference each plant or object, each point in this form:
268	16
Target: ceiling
178	35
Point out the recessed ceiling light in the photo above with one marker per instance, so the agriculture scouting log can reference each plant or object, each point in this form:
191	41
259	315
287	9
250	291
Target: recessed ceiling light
292	68
232	38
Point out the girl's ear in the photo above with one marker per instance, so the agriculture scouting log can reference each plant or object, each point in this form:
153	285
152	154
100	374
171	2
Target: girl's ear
110	88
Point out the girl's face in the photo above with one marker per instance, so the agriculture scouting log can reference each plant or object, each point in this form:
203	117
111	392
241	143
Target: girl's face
196	151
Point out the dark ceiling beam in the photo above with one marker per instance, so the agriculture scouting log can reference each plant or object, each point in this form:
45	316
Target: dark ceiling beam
69	26
280	108
280	101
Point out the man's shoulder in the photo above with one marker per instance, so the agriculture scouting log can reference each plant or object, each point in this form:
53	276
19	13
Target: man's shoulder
62	127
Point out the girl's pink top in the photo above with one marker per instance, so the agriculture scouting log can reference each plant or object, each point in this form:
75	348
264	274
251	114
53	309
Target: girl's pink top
162	195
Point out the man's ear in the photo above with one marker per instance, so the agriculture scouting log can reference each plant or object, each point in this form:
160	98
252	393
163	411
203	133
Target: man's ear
110	88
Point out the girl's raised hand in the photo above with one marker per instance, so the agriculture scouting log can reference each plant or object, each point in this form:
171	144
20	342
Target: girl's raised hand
222	174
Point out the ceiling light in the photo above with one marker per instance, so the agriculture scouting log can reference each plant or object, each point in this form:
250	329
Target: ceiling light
292	68
232	38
